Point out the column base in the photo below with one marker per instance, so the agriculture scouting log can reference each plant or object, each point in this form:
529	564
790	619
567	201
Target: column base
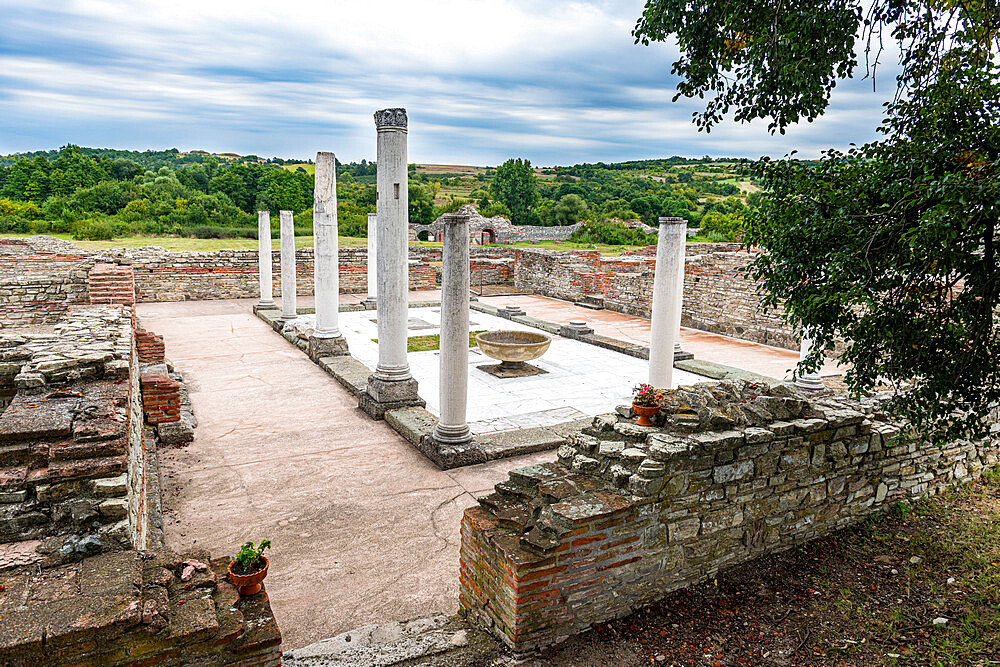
384	395
682	355
809	383
334	346
264	305
448	454
369	304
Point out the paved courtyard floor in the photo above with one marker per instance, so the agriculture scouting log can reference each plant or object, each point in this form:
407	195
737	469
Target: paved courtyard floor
364	528
764	359
580	379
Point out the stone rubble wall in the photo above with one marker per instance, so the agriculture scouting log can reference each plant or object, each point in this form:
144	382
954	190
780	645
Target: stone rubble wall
134	608
718	294
39	280
733	471
71	446
41	276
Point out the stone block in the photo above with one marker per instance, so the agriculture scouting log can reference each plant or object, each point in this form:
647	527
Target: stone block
175	433
733	472
684	529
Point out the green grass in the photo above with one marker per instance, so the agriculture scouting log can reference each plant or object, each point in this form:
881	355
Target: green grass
432	342
310	168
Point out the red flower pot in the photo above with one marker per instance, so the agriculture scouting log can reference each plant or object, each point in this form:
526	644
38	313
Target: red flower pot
248	584
645	412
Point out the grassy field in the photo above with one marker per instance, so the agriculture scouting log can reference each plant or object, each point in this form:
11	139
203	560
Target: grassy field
432	342
183	243
310	168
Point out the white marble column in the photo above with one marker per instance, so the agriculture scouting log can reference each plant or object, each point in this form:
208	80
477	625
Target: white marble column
808	381
372	263
264	261
391	385
288	312
452	428
665	317
679	303
326	338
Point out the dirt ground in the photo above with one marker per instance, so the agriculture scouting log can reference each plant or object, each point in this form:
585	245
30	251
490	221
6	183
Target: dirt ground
919	585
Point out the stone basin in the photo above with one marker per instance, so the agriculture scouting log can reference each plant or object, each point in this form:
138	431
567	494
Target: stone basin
513	348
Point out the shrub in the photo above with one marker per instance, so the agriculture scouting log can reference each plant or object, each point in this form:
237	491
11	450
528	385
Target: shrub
611	233
103	229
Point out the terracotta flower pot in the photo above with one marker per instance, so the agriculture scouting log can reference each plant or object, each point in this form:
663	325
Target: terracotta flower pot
645	412
248	584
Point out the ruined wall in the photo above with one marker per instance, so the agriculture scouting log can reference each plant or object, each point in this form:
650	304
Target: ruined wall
132	608
162	275
718	295
40	279
628	514
71	440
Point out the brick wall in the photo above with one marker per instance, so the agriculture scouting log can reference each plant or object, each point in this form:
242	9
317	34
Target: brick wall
149	347
161	398
111	284
628	514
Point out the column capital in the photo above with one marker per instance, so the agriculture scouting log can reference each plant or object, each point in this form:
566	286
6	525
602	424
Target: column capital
672	221
394	119
453	218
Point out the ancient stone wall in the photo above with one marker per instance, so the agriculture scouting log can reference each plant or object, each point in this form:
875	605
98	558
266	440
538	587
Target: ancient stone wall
718	295
132	608
630	513
71	446
39	279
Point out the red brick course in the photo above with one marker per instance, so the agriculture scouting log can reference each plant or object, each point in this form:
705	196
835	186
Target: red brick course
149	347
161	398
112	283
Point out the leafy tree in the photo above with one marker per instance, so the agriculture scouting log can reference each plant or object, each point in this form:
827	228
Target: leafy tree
891	245
514	186
569	210
421	204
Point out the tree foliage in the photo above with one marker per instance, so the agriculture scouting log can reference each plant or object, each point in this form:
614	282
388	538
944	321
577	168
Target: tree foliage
890	245
514	186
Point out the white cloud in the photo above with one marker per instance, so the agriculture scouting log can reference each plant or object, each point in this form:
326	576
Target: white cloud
482	80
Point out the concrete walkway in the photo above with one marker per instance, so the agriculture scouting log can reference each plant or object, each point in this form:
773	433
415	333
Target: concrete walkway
764	359
364	528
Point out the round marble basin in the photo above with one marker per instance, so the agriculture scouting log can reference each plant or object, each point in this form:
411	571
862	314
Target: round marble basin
513	348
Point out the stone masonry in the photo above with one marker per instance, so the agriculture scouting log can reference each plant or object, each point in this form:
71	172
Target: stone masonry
627	514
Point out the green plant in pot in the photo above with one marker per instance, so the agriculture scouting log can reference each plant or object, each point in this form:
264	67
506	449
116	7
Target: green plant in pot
249	567
645	403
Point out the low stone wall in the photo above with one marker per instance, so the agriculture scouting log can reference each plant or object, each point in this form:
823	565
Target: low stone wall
630	513
71	444
718	294
39	280
132	608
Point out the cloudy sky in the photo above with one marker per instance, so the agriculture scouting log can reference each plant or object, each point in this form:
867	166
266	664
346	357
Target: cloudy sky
556	82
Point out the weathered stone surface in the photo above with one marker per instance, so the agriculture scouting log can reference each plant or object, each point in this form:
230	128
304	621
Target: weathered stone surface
688	500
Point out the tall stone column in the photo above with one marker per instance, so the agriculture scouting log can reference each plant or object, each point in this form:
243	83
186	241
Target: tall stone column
666	293
264	262
288	312
392	385
451	443
371	300
326	339
808	381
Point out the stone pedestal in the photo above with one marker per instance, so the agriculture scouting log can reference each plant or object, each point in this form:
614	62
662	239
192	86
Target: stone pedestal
452	430
326	339
288	312
808	381
391	385
510	311
370	300
665	319
264	262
